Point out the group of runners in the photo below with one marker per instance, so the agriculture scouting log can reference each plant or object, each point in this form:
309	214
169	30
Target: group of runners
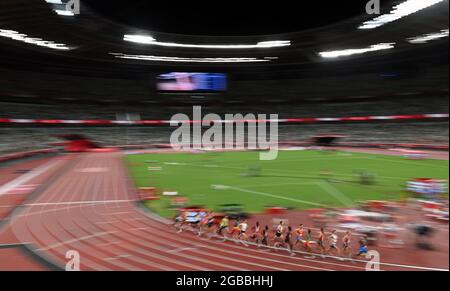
281	236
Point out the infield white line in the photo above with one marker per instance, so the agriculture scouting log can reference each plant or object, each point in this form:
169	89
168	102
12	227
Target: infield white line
338	195
275	196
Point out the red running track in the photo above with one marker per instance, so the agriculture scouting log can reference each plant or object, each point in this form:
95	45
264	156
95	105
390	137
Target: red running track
89	206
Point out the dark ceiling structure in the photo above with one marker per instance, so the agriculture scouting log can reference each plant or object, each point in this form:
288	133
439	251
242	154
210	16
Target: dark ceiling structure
227	18
96	39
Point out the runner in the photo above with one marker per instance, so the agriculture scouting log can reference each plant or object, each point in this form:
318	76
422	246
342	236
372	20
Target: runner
256	235
203	225
243	232
235	231
288	241
362	247
279	235
223	226
333	243
320	241
299	234
265	237
346	241
210	225
180	220
307	243
196	220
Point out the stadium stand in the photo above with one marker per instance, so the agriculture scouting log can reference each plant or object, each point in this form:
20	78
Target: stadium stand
23	138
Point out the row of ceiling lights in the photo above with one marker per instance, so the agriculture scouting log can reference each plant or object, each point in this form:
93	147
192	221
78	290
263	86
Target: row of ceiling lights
404	9
325	54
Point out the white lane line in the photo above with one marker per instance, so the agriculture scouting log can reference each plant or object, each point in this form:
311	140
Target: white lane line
56	245
182	250
146	241
338	195
79	202
19	181
354	260
229	255
275	196
326	256
118	257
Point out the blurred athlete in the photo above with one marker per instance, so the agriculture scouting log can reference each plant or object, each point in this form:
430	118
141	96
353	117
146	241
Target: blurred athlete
288	241
279	235
223	226
265	237
362	247
235	231
204	224
321	240
243	232
308	241
256	235
299	231
180	220
333	238
346	241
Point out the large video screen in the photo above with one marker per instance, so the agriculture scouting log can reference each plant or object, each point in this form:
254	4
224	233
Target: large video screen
192	82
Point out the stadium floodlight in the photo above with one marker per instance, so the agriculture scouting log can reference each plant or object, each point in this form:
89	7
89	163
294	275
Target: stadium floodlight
64	12
187	60
427	37
145	39
399	11
349	52
31	40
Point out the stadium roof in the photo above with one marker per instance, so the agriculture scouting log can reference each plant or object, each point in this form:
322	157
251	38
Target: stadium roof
35	37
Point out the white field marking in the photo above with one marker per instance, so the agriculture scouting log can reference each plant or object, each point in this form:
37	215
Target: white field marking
297	171
79	202
56	245
406	162
275	196
174	164
338	195
21	180
310	158
276	184
299	161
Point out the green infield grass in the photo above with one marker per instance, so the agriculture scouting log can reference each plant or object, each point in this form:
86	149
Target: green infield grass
296	179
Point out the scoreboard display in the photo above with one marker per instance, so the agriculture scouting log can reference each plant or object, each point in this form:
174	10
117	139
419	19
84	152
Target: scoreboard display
191	82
